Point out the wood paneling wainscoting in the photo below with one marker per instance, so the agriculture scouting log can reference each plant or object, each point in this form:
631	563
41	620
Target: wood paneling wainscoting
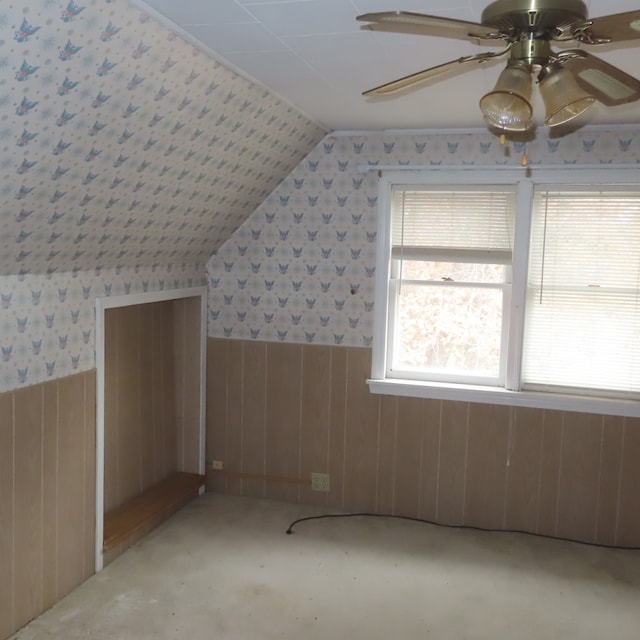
277	412
47	495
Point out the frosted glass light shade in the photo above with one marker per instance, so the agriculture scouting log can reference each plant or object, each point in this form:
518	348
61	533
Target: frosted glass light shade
508	106
563	98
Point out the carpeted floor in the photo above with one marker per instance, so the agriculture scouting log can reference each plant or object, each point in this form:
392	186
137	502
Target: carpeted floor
223	568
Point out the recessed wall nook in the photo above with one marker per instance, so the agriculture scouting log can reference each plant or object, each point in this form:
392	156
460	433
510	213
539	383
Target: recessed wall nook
150	357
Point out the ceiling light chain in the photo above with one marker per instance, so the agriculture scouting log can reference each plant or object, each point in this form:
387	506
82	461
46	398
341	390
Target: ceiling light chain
524	159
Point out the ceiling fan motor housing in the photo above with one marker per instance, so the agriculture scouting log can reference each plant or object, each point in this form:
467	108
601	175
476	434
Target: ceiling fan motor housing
532	51
569	80
540	19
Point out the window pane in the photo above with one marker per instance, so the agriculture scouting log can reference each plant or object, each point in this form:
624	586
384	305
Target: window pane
580	340
451	271
449	329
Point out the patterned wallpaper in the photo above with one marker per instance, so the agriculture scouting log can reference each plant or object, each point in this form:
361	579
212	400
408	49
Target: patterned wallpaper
302	267
128	157
123	145
47	322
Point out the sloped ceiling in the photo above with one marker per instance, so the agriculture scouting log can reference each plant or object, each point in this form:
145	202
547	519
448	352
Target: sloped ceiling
123	145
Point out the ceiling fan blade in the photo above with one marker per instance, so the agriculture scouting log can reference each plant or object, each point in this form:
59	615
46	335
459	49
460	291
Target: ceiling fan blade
413	80
606	83
617	27
424	25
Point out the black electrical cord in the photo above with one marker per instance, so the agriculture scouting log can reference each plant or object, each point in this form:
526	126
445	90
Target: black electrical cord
458	526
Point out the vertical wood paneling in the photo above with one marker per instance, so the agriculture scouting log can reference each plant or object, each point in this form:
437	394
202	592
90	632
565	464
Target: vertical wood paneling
216	441
7	595
523	472
179	342
494	466
453	460
28	494
234	417
129	445
71	477
316	412
550	472
282	441
579	476
155	378
430	459
337	424
253	417
191	388
361	441
609	485
89	428
186	340
123	444
111	412
50	496
486	479
168	389
128	327
148	473
47	495
386	431
411	417
628	526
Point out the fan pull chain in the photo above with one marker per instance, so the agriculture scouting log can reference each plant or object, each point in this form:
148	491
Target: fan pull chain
524	160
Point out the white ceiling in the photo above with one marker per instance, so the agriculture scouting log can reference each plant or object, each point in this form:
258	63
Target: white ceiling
313	54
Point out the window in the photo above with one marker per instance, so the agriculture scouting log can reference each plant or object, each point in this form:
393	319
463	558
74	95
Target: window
582	327
451	253
510	288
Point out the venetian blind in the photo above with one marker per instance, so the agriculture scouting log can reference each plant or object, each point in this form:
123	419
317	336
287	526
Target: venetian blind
469	223
582	324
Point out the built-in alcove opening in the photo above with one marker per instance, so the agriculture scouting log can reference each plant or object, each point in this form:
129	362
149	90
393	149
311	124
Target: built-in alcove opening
150	403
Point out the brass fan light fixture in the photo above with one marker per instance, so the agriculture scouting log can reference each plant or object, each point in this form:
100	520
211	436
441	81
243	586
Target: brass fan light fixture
570	81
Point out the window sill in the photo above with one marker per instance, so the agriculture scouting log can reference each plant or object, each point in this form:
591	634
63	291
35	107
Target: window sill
496	395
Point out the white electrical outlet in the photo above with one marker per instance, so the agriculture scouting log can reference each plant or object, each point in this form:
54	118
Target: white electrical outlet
217	465
320	482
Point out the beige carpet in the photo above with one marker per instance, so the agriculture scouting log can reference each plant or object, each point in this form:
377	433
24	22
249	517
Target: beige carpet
223	568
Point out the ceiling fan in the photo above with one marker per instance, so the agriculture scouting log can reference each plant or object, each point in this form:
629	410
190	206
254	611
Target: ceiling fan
570	81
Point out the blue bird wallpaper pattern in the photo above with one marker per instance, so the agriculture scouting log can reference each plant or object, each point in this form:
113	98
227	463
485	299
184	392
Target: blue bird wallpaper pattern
123	145
127	157
47	323
112	117
302	267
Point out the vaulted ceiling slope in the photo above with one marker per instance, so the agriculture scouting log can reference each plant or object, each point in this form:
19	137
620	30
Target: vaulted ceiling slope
123	145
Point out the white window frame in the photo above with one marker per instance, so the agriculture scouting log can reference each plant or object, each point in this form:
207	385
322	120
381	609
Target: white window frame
511	394
396	281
